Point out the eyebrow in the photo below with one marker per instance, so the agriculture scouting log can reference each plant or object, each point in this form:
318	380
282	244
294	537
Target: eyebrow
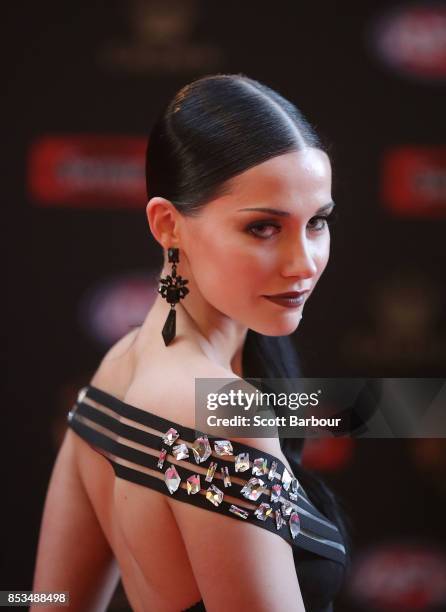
285	213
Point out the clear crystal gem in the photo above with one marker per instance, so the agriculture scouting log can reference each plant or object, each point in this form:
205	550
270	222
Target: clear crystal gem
280	521
225	474
193	484
242	462
211	471
81	395
294	524
161	458
272	470
223	447
287	508
238	511
180	451
170	436
259	467
286	479
263	511
253	489
214	495
172	479
201	449
276	491
295	485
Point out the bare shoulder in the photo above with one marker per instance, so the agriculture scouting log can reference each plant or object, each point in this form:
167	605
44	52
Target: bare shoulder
114	371
167	386
121	346
168	389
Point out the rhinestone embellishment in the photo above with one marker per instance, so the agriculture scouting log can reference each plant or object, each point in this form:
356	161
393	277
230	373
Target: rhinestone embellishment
286	479
81	395
292	493
242	462
214	495
238	511
170	436
180	451
280	521
225	474
263	511
161	458
201	449
253	489
172	479
287	508
193	484
294	524
272	470
223	447
259	467
276	491
211	471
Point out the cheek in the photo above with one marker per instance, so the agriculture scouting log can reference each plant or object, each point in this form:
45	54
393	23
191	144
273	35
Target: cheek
223	268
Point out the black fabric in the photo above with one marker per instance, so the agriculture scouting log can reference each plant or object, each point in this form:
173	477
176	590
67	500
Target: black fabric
198	607
318	549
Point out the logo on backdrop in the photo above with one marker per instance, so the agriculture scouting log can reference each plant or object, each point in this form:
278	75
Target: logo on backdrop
414	181
411	40
399	577
160	41
87	171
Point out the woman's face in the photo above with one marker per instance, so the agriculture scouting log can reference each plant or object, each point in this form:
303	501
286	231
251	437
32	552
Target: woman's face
267	236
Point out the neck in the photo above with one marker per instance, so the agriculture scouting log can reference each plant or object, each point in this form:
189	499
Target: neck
202	327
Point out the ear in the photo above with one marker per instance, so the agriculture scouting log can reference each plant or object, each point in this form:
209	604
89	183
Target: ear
163	220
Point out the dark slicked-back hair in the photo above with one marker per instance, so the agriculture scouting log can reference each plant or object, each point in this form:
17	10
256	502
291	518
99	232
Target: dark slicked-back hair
214	129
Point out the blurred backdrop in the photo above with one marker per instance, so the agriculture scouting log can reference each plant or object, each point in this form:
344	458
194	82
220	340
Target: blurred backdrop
83	84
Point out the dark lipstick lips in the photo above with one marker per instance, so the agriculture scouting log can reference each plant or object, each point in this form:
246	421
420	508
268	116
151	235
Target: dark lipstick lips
290	294
291	299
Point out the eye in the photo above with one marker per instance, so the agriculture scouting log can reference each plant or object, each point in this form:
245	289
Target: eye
317	224
262	229
320	222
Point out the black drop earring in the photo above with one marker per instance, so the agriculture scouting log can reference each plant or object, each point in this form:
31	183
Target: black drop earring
172	288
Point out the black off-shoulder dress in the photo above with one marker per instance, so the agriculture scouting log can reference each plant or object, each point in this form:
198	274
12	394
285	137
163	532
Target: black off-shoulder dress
283	506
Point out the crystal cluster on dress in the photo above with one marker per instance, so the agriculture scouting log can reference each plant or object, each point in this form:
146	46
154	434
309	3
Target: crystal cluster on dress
278	508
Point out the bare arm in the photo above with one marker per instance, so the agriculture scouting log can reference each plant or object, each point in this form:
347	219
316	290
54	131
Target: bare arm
73	553
237	565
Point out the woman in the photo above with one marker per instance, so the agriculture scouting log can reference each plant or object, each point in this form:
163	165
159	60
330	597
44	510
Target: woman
239	195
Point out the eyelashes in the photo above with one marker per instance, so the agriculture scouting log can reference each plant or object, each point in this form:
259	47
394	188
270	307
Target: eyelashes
255	229
316	224
324	220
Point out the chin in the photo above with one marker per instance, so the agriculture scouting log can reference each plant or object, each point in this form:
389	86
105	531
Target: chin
283	327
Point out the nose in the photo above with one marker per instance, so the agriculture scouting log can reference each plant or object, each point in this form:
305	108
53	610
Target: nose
299	260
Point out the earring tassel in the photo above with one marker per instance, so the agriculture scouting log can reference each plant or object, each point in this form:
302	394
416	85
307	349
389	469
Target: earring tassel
170	327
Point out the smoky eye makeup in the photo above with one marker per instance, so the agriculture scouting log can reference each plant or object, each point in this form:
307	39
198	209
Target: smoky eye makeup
325	219
267	228
264	228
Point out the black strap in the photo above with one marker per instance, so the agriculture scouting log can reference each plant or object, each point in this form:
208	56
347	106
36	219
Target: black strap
318	535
